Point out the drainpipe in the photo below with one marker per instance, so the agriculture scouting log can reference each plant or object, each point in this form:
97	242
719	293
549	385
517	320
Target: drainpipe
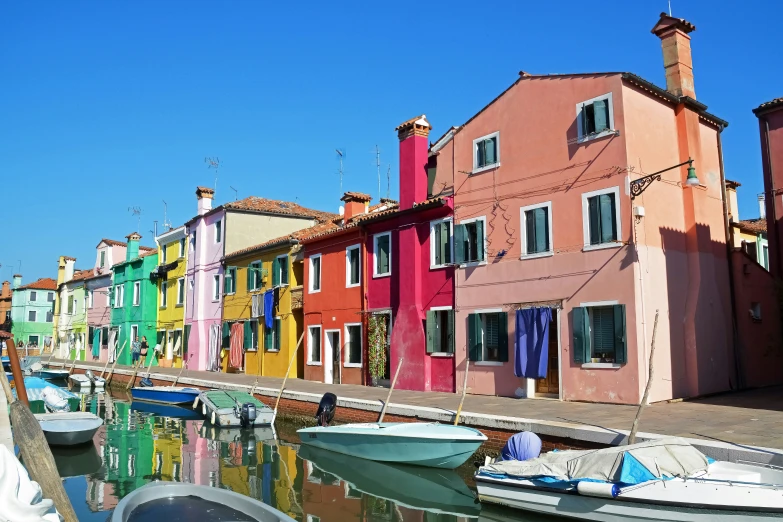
738	374
365	317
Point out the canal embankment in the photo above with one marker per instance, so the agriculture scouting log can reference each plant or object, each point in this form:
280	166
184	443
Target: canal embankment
742	426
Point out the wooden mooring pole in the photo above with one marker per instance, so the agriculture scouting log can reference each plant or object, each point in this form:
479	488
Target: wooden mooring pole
635	426
388	397
114	364
34	449
464	391
291	363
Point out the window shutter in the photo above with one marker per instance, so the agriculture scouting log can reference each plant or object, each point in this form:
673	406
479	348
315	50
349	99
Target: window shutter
284	270
187	338
450	331
432	330
383	254
445	242
226	281
608	230
620	344
600	113
437	247
248	336
583	121
268	338
581	335
474	337
502	336
226	335
250	276
594	217
480	154
490	147
480	239
275	273
542	230
460	233
277	334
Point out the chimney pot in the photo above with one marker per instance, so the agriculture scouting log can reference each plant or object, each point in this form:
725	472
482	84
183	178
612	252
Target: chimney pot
677	60
762	207
204	196
17	281
355	204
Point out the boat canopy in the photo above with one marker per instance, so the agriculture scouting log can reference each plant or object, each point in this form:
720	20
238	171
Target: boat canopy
634	464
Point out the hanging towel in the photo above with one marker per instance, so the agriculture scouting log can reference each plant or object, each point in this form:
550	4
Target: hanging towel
269	305
213	355
237	341
256	309
532	346
96	343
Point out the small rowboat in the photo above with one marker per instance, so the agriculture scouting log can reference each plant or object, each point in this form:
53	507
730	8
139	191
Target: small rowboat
52	374
178	501
69	428
234	409
38	390
171	411
165	394
87	380
417	443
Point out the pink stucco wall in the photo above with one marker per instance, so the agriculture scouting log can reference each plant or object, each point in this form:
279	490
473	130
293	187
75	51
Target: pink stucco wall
201	310
100	314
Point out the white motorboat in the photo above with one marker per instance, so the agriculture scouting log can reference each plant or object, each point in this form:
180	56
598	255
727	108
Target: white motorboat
87	380
69	428
667	480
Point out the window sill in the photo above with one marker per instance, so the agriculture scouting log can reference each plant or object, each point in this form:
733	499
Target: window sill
488	363
179	305
352	365
485	168
438	267
314	291
599	366
537	255
273	351
441	354
602	246
379	276
312	363
354	285
473	263
600	135
162	308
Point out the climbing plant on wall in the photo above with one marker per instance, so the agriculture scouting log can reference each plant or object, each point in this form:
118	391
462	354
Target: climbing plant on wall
377	346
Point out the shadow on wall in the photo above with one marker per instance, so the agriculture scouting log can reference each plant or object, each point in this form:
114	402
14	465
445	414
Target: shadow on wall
699	308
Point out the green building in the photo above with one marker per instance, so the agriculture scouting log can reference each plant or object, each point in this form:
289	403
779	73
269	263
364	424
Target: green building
134	299
32	311
128	451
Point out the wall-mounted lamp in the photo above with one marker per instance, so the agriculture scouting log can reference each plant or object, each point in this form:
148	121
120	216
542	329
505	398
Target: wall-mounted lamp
640	185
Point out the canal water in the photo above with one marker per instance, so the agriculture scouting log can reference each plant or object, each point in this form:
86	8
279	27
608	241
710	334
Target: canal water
141	443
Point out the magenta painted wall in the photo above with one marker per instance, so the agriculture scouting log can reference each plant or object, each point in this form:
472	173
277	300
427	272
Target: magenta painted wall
201	311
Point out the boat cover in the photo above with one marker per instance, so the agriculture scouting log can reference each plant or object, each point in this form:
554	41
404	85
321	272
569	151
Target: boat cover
634	464
524	445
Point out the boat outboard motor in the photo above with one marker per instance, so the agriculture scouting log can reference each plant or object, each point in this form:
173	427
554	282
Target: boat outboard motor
146	383
90	376
247	416
325	413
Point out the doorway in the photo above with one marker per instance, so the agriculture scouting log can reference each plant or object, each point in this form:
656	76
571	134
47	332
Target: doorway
550	385
332	357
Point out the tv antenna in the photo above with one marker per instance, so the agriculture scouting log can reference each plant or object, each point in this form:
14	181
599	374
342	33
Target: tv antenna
388	181
670	7
166	223
236	197
136	212
213	163
378	166
341	155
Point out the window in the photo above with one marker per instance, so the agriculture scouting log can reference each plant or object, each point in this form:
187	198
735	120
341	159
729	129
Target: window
70	304
32	340
91	298
382	255
599	334
486	152
182	247
164	288
103	258
755	311
470	241
536	221
251	335
33	296
164	255
216	287
218	231
440	243
32	315
353	265
193	240
314	345
488	336
180	291
601	221
134	332
50	297
440	331
230	280
255	276
353	342
136	293
120	301
315	274
272	336
595	118
280	271
765	256
49	316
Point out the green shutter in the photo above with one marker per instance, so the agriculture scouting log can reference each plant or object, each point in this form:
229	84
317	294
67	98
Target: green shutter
594	217
248	336
583	115
437	248
275	273
226	335
226	281
460	233
581	344
432	331
502	336
187	338
250	277
542	230
620	344
268	338
490	150
445	242
480	239
608	229
160	337
474	337
450	331
277	334
283	270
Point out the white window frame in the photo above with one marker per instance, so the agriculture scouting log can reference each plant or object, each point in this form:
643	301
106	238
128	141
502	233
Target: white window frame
476	168
348	283
280	267
432	242
586	219
35	316
182	242
346	340
90	298
164	255
375	237
218	226
260	278
134	328
485	311
592	365
311	280
607	132
33	296
523	233
216	288
486	255
443	354
120	295
136	294
164	298
180	291
30	337
310	361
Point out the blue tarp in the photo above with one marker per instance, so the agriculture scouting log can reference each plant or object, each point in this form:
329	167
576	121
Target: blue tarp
521	446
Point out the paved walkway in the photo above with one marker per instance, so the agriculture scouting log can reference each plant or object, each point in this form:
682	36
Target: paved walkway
748	418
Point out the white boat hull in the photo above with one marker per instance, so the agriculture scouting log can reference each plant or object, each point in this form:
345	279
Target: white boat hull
69	428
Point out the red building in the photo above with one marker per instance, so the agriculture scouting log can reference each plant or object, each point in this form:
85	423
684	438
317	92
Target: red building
770	116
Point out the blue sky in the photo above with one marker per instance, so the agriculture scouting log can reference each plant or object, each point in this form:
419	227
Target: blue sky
112	105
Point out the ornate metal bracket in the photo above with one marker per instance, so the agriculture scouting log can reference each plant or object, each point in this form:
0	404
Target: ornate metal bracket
640	185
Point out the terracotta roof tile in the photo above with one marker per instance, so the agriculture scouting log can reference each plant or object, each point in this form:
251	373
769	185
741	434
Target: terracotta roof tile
753	226
358	196
283	208
112	242
293	237
80	275
768	105
45	283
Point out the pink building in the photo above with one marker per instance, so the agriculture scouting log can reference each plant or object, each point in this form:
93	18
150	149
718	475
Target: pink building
770	116
566	250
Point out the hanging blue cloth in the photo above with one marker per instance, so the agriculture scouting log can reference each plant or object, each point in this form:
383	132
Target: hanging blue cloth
269	306
521	446
532	347
96	343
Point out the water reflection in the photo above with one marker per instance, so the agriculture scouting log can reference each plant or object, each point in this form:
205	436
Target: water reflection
139	444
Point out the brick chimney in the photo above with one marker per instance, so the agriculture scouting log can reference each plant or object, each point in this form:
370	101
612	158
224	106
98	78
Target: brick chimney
204	196
132	252
6	292
70	263
17	281
413	160
677	60
356	204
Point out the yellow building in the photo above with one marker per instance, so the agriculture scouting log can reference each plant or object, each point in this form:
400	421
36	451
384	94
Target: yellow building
170	276
167	449
749	235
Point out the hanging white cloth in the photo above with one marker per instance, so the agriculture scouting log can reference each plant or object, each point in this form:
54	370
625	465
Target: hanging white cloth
20	497
213	357
112	345
257	309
